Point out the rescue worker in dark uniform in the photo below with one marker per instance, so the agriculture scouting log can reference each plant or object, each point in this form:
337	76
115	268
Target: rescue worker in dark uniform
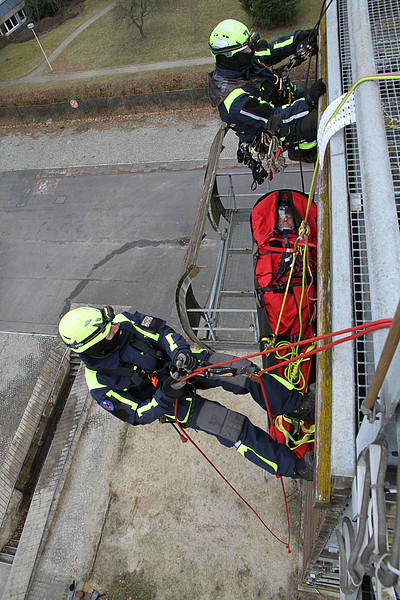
129	358
244	89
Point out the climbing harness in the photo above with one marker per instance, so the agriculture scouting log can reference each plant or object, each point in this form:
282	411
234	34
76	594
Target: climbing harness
263	155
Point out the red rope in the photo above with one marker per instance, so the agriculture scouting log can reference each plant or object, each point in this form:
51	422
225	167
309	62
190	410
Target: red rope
187	437
278	476
362	329
325	347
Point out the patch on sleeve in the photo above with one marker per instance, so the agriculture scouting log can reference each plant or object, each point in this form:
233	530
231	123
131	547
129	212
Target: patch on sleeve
107	405
152	324
147	321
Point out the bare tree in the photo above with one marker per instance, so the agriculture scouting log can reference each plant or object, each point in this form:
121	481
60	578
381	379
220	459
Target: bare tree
134	12
39	9
191	8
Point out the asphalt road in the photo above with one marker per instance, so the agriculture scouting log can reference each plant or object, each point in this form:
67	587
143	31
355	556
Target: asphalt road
112	239
96	228
97	215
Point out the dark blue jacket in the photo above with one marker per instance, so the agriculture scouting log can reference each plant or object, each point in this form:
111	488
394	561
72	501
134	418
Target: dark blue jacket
238	96
136	404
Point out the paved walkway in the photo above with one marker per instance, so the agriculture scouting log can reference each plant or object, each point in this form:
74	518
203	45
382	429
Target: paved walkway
41	74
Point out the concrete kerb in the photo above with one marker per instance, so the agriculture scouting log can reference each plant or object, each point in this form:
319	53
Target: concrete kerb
48	490
48	386
147	167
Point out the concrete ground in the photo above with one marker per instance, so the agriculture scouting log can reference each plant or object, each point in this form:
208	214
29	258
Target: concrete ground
133	512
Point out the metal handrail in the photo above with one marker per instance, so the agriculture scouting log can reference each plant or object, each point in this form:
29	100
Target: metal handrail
388	351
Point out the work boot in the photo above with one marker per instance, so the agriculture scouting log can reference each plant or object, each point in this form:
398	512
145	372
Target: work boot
306	410
304	468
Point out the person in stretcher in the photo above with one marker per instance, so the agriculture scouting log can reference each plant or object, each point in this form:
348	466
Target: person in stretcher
285	270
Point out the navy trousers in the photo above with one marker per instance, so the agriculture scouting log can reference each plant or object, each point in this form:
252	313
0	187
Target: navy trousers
255	444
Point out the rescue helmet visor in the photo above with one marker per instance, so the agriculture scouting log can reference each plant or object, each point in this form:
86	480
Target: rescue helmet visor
228	37
83	327
284	208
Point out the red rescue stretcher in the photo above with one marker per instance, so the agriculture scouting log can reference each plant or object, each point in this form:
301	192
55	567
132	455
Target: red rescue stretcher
285	262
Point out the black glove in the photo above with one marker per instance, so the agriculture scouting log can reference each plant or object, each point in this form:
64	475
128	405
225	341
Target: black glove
176	389
186	361
317	89
256	43
274	124
308	35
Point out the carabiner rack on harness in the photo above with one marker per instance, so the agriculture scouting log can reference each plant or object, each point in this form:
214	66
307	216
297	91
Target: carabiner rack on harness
274	159
263	156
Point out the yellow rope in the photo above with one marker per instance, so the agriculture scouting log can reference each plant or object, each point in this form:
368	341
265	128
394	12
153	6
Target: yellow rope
292	372
390	122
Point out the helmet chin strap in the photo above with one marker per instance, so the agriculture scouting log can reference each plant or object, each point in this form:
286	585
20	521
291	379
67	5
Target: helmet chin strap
105	348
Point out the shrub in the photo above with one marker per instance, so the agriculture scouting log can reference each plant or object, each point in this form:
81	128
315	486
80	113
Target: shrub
271	13
125	87
39	9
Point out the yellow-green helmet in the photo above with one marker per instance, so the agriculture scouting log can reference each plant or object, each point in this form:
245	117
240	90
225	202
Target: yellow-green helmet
84	327
228	37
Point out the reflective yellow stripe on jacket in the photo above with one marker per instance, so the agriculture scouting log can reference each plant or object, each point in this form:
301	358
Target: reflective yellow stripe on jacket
284	43
121	318
93	384
232	97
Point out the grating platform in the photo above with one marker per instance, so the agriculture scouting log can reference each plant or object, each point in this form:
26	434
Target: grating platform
384	18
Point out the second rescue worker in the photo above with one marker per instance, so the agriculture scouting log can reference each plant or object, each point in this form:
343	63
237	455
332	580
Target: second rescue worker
129	358
244	88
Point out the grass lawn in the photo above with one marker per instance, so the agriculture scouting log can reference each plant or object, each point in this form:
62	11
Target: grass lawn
17	60
169	36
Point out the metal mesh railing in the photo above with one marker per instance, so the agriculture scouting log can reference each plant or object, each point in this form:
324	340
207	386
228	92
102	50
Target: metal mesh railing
385	30
364	350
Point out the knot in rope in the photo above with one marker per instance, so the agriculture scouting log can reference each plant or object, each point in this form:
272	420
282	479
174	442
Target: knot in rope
269	342
390	122
304	229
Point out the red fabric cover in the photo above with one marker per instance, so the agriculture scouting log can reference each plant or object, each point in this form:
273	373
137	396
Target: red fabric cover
270	245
